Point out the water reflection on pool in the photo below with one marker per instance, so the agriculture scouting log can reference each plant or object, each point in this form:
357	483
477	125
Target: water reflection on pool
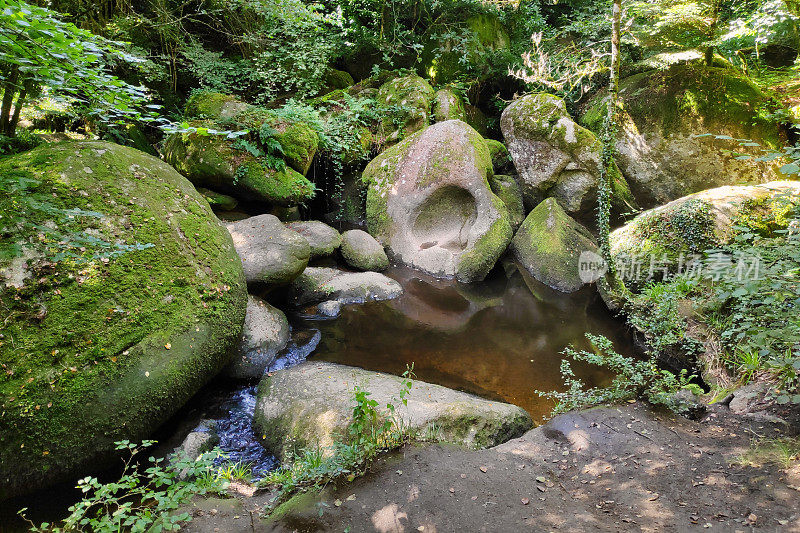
500	339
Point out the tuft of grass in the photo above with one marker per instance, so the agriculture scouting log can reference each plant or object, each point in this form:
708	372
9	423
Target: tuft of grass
783	451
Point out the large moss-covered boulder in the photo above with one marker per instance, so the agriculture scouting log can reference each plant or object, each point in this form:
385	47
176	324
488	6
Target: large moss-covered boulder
411	97
122	296
663	111
213	105
670	236
311	405
549	244
429	202
298	140
214	162
554	156
271	254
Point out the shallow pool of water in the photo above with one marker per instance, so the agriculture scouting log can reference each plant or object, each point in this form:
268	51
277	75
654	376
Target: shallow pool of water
501	339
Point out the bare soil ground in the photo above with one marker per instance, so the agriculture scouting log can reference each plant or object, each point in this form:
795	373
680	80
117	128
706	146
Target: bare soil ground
607	469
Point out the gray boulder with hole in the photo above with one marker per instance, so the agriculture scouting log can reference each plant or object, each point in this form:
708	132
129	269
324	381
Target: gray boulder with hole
429	202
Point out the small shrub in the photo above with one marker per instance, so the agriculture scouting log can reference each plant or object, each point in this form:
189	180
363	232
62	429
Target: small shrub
634	379
141	500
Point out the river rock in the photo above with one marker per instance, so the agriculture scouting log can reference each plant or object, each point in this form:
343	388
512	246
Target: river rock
199	441
665	109
311	405
668	236
549	244
447	105
414	95
111	339
361	251
429	202
555	157
323	239
320	284
271	254
266	332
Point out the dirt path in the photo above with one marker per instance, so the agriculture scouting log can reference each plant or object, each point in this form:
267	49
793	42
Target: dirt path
607	469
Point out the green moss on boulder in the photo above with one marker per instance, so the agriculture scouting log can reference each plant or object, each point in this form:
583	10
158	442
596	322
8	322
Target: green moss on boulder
123	296
657	148
549	244
212	161
508	190
429	202
411	98
555	157
213	105
670	235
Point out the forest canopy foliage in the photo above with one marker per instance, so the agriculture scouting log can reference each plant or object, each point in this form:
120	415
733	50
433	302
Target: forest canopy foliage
106	57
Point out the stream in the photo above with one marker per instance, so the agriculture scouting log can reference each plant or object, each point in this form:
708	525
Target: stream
500	339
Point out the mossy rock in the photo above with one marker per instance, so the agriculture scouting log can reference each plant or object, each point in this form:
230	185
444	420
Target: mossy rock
337	79
410	97
213	105
549	244
299	141
212	161
672	235
508	190
361	251
555	157
447	105
663	112
310	405
217	200
429	201
123	297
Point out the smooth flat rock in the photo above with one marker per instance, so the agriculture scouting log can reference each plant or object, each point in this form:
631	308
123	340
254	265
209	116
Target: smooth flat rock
311	404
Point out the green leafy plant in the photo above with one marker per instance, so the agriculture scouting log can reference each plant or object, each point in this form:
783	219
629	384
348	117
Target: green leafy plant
39	51
634	379
143	498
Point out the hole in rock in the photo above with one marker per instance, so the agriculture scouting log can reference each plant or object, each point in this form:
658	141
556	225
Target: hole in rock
445	218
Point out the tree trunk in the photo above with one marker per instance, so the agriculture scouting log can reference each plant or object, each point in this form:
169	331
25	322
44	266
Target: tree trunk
613	84
12	127
9	90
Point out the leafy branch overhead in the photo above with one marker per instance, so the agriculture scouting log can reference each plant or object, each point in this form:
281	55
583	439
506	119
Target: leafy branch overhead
40	52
